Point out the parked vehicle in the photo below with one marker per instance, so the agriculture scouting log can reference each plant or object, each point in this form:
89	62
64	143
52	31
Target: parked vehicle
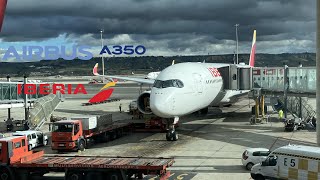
75	133
18	162
289	162
254	156
35	138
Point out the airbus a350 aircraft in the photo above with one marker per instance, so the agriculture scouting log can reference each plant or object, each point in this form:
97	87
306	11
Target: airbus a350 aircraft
154	75
184	88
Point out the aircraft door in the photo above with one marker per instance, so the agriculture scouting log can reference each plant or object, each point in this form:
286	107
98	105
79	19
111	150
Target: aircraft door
197	83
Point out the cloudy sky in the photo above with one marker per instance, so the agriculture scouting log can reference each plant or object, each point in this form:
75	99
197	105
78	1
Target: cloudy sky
164	27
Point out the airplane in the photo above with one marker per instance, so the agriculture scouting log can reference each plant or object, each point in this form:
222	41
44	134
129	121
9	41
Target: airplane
3	5
154	75
185	88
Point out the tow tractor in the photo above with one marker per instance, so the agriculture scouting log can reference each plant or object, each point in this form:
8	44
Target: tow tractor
18	162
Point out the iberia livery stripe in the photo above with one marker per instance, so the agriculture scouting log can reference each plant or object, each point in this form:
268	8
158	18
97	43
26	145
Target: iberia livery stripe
109	84
253	49
3	4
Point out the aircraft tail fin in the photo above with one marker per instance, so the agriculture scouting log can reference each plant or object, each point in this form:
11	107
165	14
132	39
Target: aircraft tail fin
3	5
172	62
95	70
253	50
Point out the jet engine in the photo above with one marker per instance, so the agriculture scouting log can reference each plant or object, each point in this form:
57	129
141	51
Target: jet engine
143	103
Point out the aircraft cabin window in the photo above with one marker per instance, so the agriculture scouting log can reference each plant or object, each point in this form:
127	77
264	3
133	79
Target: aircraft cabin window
168	83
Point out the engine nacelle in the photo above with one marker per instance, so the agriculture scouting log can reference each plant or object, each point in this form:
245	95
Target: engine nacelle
143	103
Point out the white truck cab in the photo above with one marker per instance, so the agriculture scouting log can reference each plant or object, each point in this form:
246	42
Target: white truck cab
35	138
289	162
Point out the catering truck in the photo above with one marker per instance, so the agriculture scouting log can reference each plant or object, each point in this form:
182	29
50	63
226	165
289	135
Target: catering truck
18	162
75	133
289	162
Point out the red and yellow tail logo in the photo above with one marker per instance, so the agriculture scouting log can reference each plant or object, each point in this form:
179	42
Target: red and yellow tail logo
3	4
253	49
105	92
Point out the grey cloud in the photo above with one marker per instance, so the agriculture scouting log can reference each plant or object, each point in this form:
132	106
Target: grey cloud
176	24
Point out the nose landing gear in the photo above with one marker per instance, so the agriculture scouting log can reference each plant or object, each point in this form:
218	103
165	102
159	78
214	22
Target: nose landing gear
171	134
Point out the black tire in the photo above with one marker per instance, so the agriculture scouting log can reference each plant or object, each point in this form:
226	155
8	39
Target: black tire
74	176
5	174
114	175
249	166
204	111
168	136
95	176
119	133
81	145
174	136
259	177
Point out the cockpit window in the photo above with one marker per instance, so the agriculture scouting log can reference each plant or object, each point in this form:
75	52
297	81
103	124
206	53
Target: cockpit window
168	83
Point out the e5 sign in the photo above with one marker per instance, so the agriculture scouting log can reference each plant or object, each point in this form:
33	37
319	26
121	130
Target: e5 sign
127	49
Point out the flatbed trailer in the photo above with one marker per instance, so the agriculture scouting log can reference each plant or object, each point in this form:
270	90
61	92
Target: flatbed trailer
76	137
24	163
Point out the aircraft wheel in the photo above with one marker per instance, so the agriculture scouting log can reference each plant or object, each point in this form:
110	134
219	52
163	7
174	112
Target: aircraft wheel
168	136
174	136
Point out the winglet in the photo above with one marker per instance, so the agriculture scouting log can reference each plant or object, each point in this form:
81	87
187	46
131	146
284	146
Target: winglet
253	50
95	70
3	5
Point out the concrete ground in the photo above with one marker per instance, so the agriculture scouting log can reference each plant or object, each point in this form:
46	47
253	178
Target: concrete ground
209	147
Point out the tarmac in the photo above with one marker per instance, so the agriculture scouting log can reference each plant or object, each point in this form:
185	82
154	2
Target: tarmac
209	146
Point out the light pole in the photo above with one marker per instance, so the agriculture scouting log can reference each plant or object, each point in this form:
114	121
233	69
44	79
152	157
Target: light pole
318	73
101	31
237	25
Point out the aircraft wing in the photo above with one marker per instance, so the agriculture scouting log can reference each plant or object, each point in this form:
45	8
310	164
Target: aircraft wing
139	80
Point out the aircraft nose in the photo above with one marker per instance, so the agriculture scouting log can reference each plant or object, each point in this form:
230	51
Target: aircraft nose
161	108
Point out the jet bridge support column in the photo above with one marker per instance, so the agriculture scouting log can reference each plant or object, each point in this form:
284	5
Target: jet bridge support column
262	106
257	113
318	73
286	88
25	98
9	109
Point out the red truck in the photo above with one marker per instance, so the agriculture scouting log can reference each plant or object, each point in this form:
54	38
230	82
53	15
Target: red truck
17	162
75	133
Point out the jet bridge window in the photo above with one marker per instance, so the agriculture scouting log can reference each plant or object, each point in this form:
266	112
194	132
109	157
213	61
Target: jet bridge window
168	83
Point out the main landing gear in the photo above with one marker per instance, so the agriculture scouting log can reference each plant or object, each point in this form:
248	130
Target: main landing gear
171	134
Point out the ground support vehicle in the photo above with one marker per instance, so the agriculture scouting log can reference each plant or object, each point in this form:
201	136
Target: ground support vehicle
289	162
76	133
35	138
17	162
252	156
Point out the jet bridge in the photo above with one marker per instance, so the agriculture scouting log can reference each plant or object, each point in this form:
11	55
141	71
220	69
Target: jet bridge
289	86
236	77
